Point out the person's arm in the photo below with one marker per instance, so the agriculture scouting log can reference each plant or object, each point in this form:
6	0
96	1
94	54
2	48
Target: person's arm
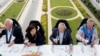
11	44
2	37
70	41
2	40
26	41
70	38
53	36
40	40
95	38
2	32
11	41
18	36
80	37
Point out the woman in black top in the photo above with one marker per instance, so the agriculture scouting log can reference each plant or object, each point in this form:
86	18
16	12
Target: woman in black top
33	36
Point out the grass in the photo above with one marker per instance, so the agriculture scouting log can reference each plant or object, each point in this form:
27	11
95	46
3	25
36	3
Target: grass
44	22
73	24
63	12
81	8
53	22
94	11
12	11
60	3
45	7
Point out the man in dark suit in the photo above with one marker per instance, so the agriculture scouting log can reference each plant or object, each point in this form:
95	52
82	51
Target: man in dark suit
11	34
61	35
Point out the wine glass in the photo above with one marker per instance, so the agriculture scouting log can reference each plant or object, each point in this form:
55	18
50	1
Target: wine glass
52	48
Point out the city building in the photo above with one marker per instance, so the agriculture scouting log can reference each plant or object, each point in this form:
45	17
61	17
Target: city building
96	4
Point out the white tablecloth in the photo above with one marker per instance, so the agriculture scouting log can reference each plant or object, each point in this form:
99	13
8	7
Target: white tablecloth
50	50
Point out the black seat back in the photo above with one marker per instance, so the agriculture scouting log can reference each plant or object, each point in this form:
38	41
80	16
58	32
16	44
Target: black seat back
63	21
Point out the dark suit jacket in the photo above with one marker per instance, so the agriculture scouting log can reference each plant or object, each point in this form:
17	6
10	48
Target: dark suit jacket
66	38
38	38
16	31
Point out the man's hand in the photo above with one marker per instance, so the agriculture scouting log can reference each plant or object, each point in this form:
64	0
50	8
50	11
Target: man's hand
32	44
70	48
27	43
55	40
84	41
92	44
11	44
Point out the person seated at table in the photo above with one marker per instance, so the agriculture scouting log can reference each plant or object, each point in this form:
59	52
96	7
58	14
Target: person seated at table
33	36
61	35
87	33
41	30
11	34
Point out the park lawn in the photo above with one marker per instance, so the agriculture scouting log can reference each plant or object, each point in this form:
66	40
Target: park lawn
45	6
69	12
73	24
60	3
12	11
53	22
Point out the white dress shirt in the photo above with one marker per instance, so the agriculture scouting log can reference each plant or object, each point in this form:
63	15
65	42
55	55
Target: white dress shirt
3	38
61	37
